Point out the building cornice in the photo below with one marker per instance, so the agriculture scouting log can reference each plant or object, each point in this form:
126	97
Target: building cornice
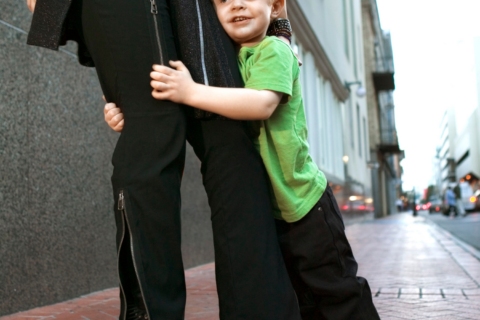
306	35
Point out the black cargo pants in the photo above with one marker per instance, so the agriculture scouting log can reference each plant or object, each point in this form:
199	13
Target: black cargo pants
322	267
124	38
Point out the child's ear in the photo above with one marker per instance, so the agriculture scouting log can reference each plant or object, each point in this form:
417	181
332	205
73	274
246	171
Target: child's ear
277	8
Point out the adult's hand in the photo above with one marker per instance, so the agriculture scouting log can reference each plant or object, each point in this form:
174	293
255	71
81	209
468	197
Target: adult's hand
31	5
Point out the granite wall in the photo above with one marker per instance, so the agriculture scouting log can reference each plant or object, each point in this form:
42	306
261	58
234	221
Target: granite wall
56	223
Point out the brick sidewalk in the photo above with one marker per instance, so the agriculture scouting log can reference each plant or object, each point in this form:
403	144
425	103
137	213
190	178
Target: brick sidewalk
415	270
202	302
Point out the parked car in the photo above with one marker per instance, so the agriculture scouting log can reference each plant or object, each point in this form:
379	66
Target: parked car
469	199
435	204
422	206
476	200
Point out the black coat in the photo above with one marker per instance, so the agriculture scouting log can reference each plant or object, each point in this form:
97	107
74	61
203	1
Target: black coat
54	23
57	21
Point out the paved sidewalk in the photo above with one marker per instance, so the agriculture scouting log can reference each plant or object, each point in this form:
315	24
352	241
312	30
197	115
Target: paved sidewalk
202	302
416	271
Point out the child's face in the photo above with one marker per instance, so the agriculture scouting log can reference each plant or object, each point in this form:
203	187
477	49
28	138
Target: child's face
246	21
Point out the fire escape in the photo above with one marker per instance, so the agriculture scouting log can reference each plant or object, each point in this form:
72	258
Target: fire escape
384	84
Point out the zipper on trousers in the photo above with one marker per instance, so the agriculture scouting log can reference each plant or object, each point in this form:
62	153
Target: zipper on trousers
154	12
123	210
121	205
202	44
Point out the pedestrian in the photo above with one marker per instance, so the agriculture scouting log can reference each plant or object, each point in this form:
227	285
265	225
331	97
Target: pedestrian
310	228
399	204
123	39
458	199
450	201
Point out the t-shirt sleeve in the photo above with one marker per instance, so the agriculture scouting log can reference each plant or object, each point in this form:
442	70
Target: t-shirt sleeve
272	68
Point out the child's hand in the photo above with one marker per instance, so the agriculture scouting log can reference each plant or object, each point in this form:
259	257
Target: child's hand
31	5
175	84
113	117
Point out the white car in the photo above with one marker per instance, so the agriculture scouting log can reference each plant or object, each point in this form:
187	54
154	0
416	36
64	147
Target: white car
469	200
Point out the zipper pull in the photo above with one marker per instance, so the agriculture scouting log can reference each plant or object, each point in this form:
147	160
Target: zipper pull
121	201
153	7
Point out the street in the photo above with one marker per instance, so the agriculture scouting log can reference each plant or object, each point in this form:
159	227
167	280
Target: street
465	228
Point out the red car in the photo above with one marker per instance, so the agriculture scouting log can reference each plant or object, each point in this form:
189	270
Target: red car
423	206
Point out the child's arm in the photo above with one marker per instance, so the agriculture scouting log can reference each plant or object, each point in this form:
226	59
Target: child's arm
235	103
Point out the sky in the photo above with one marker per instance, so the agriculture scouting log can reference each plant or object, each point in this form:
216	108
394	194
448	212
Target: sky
434	70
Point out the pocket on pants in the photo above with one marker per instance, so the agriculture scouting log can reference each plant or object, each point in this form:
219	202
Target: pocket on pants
333	203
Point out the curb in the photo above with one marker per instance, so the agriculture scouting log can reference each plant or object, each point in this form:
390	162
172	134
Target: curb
465	246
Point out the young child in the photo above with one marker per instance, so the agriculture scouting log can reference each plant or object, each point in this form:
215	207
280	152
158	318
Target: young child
309	224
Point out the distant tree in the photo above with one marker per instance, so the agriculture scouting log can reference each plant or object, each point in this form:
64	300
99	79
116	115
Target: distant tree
431	191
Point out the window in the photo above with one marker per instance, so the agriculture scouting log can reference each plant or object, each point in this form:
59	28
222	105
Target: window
365	138
354	39
345	29
350	123
359	132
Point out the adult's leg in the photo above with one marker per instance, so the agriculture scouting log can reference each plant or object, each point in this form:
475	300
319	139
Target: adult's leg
322	267
252	281
124	41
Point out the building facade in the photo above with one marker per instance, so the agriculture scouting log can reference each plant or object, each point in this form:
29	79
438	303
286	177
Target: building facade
384	152
446	150
458	150
332	71
466	154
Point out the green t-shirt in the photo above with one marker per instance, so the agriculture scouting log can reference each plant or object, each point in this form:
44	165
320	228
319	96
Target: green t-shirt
297	183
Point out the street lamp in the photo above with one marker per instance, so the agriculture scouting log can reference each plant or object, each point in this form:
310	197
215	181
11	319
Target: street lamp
372	164
361	91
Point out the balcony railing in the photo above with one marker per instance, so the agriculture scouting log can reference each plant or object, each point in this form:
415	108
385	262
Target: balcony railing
383	78
383	81
389	141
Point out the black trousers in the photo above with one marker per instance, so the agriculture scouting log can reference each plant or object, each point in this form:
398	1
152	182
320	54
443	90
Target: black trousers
321	265
124	41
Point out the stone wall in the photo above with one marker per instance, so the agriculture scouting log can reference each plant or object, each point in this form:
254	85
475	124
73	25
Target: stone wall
56	223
